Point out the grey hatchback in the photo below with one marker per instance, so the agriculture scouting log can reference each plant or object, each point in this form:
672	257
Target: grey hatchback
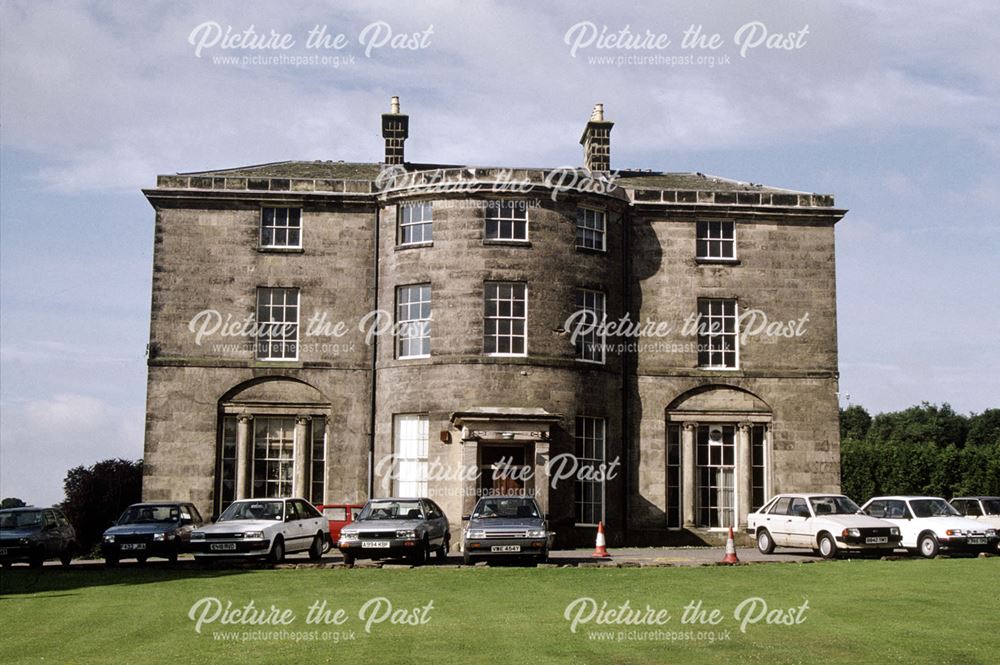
389	528
160	529
507	526
34	535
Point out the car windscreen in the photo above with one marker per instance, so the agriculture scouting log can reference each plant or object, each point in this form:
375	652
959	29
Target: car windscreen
143	514
991	506
833	505
253	510
20	519
506	507
391	510
932	508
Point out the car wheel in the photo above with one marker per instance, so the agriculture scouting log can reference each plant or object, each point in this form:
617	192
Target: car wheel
7	564
466	559
928	546
543	557
36	562
327	544
316	549
110	562
419	555
348	559
66	557
764	542
141	559
827	546
442	553
172	557
277	554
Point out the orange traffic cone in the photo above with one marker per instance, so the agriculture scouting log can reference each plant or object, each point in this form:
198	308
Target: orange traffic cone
601	551
730	557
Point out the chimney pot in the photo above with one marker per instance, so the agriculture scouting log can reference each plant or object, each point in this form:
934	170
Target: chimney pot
394	104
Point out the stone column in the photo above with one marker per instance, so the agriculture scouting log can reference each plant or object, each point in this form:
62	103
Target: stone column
470	461
302	450
744	474
687	475
540	477
243	455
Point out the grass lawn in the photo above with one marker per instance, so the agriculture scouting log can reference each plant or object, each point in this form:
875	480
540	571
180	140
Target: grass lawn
912	611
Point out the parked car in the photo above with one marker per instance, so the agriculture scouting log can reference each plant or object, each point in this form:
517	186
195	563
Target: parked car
930	524
396	527
339	515
258	528
151	529
507	526
827	523
34	535
985	509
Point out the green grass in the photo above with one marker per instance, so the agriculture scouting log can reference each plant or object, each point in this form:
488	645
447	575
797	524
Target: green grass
913	611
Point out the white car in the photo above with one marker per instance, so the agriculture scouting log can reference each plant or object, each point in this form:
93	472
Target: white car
985	509
930	524
827	523
257	528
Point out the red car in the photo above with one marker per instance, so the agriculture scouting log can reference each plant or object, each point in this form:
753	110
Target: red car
339	515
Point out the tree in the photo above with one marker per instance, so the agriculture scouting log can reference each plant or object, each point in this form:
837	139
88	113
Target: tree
984	429
854	423
12	502
97	495
924	424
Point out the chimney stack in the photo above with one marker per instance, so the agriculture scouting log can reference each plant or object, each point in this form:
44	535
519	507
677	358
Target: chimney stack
395	130
596	141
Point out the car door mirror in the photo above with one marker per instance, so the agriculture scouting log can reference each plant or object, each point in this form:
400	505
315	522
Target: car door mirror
465	518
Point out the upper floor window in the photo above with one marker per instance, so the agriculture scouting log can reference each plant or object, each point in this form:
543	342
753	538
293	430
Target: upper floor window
507	220
415	223
277	323
590	229
716	240
413	321
506	318
281	228
589	338
718	330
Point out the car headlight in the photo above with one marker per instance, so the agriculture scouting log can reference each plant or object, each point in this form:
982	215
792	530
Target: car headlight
852	533
475	535
894	531
253	535
990	533
197	535
25	541
406	533
348	535
160	537
953	532
537	533
109	538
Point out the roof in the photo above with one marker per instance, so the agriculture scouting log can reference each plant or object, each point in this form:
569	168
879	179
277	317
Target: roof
295	169
692	181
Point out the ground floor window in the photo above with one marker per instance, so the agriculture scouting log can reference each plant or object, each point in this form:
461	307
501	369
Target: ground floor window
590	452
410	434
716	459
758	462
273	456
674	476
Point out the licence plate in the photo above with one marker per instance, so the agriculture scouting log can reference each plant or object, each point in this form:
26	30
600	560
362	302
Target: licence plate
375	544
505	548
977	541
3	551
133	546
876	541
222	546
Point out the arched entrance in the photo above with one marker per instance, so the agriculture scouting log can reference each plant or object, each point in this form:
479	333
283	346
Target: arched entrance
272	441
718	457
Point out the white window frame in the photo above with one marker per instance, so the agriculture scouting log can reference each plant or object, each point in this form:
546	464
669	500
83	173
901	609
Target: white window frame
425	222
284	227
411	459
581	439
581	225
267	459
493	214
404	326
706	322
498	318
709	238
591	338
261	324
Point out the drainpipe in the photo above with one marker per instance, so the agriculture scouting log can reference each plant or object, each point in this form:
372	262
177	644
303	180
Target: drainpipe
626	365
374	377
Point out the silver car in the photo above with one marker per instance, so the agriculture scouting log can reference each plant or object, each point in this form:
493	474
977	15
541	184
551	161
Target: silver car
396	527
258	528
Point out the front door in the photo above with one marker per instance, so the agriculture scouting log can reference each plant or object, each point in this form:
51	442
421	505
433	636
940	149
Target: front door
716	457
504	468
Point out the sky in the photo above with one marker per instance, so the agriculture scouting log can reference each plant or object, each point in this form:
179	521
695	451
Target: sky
890	106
